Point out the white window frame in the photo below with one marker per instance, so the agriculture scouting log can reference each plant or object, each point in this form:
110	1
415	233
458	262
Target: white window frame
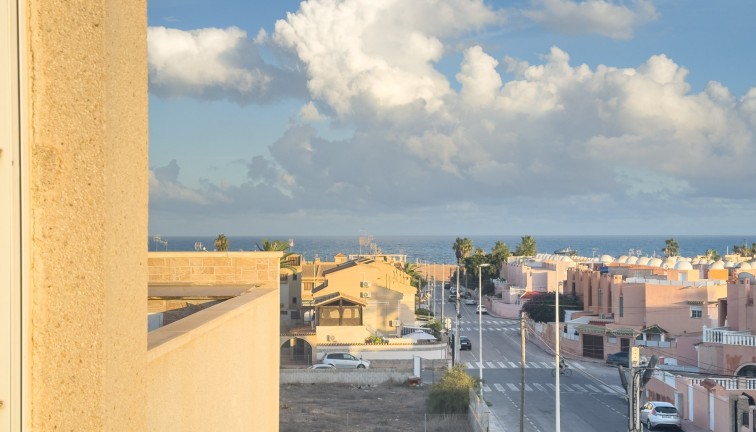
694	309
13	300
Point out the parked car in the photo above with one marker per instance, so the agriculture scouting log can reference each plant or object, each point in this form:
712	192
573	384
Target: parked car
654	414
620	358
345	360
480	309
322	366
464	343
623	358
470	301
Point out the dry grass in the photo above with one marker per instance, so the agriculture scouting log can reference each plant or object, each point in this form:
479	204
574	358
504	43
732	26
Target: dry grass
343	407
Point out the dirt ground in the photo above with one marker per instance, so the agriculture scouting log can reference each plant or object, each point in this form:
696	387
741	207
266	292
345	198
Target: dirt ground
345	407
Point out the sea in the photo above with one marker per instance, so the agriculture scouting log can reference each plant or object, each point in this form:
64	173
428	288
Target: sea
438	249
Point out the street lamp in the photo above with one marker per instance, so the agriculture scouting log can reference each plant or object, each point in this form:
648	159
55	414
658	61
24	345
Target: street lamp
480	324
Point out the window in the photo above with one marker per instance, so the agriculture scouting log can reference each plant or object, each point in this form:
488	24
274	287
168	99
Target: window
622	307
696	312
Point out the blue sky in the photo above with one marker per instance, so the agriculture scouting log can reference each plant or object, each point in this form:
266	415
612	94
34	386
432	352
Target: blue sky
452	117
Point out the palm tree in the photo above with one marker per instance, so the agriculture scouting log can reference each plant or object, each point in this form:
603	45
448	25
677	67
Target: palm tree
411	270
671	248
462	248
500	252
527	246
712	254
221	243
279	246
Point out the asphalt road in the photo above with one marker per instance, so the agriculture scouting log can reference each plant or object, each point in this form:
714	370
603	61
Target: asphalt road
592	399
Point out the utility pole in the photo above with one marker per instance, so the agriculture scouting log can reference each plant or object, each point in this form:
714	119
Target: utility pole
442	293
522	372
456	331
638	379
557	336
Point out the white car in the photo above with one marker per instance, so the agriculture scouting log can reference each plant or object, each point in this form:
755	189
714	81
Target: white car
342	360
481	309
470	301
321	366
654	414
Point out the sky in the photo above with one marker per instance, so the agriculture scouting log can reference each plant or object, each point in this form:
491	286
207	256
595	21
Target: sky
452	117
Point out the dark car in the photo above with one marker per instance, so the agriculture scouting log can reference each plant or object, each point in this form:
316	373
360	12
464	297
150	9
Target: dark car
620	358
464	343
453	298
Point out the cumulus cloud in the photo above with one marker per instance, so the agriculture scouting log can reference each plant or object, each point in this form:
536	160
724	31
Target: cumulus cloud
547	135
165	186
381	53
214	63
613	19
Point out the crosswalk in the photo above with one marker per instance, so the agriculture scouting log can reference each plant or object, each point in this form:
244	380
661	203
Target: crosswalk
488	325
516	365
603	389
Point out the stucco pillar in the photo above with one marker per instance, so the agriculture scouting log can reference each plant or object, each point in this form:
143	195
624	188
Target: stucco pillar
86	72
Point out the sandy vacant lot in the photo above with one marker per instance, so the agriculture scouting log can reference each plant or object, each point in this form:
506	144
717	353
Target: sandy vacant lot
384	408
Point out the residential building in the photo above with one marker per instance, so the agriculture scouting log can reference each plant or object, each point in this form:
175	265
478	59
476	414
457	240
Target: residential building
363	297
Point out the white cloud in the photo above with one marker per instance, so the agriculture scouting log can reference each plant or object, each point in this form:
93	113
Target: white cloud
614	19
377	52
309	112
215	63
551	135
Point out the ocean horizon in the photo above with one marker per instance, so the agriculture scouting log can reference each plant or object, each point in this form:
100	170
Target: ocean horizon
438	248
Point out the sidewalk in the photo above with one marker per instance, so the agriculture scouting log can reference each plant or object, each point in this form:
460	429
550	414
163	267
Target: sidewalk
689	426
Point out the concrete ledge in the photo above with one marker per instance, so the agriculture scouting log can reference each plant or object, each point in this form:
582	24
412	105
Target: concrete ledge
342	376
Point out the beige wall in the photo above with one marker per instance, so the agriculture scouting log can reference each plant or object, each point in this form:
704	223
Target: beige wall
87	220
213	268
217	370
88	366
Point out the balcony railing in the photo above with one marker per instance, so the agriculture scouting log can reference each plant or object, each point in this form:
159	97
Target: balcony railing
723	335
731	383
652	343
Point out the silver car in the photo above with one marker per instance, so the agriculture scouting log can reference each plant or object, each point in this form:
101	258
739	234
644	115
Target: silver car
654	414
345	360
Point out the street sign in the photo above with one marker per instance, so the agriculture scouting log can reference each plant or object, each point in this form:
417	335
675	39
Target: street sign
634	356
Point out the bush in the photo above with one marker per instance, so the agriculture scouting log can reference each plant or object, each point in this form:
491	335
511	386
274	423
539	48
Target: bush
423	311
451	395
375	340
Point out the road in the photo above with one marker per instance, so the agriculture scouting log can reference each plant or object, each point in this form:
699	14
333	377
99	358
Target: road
592	399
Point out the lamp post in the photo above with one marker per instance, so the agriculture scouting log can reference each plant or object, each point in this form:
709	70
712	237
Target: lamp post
480	324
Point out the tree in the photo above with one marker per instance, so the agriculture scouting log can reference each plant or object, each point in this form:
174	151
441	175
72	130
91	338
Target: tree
527	247
540	308
744	250
500	252
279	246
221	243
462	248
712	255
451	394
671	248
411	270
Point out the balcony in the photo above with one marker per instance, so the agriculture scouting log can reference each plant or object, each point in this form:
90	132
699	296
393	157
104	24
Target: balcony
653	343
724	336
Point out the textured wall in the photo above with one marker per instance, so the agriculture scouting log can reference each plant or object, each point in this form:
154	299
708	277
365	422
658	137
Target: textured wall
88	179
217	370
209	268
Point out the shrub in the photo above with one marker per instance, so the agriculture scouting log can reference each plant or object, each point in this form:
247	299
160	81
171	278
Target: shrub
423	311
451	394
